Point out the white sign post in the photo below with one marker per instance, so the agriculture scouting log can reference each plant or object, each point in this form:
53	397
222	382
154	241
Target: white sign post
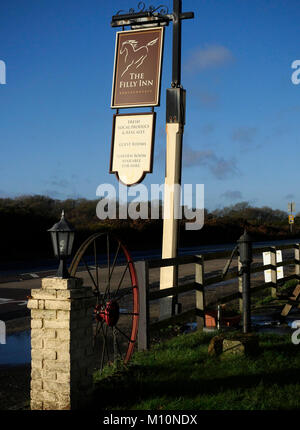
291	207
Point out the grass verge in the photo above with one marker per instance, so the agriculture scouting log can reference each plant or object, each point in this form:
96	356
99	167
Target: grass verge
179	375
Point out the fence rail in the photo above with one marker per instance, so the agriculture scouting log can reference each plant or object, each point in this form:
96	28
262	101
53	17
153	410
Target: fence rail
201	281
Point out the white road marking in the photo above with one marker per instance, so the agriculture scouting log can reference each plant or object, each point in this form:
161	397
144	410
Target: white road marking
4	301
12	301
33	275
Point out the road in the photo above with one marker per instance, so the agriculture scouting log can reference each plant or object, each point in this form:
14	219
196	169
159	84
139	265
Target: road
13	302
16	284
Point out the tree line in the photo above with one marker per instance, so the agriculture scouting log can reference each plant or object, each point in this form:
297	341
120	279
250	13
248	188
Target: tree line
26	219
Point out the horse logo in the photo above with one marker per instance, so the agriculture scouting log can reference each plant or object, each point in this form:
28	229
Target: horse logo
134	57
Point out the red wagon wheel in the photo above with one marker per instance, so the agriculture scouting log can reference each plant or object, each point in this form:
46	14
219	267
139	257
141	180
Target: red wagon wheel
105	264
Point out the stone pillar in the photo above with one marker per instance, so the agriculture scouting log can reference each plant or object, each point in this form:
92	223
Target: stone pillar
61	344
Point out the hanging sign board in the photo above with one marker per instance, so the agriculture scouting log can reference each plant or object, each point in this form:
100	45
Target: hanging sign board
137	70
132	146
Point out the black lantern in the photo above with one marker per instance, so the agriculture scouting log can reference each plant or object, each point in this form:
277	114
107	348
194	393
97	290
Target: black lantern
62	235
245	248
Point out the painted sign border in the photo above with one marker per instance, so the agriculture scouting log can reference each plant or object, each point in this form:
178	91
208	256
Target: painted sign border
153	114
158	91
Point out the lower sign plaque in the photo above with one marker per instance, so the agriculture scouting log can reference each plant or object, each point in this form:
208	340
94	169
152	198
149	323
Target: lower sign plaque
132	146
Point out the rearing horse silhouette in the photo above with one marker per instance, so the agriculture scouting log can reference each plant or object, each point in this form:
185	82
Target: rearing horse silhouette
135	57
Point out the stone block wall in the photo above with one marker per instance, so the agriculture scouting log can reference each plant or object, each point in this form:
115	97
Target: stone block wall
61	344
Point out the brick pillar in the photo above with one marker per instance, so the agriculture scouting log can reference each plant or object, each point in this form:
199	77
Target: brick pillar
61	344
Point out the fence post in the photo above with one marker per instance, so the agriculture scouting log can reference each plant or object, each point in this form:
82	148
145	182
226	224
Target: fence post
297	259
245	253
240	285
273	289
200	295
142	271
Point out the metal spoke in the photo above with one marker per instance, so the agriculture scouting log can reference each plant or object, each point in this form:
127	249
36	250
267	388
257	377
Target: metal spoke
129	313
96	264
118	346
108	268
97	331
108	260
87	268
105	347
113	266
115	260
127	265
125	335
115	347
123	293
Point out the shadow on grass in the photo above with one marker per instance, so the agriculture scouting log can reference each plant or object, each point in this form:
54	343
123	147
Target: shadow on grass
203	376
129	389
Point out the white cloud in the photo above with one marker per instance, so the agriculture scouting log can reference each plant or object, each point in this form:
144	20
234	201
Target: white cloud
211	56
244	134
232	195
218	166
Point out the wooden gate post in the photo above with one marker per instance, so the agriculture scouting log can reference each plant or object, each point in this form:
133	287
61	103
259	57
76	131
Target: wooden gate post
273	271
240	285
61	344
142	272
200	296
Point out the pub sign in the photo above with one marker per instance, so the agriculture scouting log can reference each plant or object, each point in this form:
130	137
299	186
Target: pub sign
137	69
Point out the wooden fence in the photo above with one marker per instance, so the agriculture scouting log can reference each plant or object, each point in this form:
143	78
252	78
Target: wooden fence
201	281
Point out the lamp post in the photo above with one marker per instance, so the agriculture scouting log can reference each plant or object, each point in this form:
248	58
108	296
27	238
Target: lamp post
245	252
62	235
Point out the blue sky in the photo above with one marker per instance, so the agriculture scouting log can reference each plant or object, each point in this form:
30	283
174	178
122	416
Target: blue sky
242	127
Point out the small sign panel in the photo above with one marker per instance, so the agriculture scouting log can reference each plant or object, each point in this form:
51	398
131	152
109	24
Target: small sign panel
291	219
267	261
137	70
132	146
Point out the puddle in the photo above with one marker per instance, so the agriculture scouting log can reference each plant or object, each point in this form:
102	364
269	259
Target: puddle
189	327
265	320
275	330
268	320
17	349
